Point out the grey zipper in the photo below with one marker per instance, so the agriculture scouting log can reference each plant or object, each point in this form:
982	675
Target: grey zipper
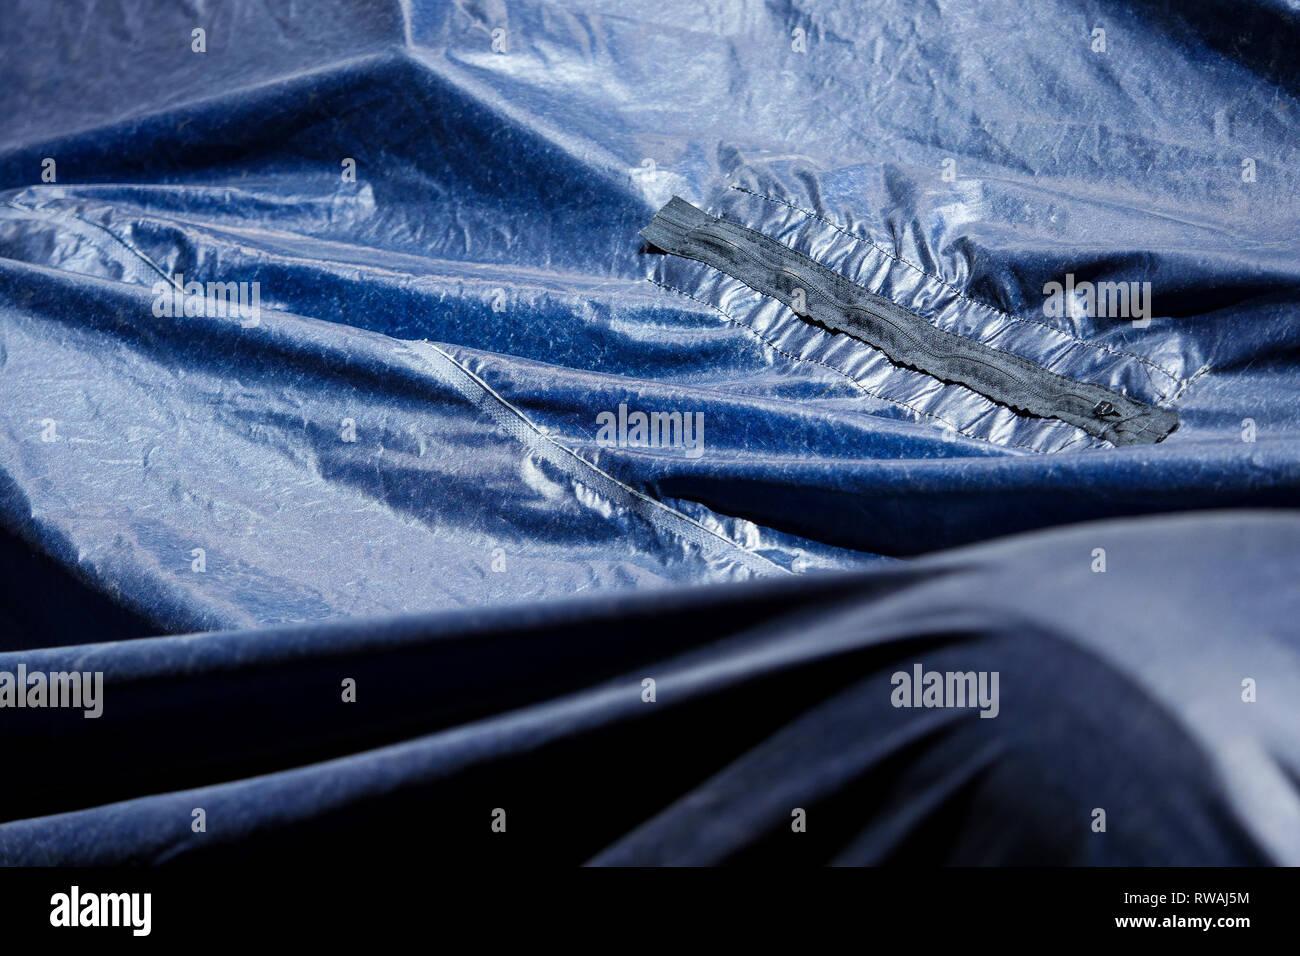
833	302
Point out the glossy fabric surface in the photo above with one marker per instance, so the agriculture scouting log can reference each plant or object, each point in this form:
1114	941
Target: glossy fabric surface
410	433
1117	691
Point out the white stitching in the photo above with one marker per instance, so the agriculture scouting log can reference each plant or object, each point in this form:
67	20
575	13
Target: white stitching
1188	384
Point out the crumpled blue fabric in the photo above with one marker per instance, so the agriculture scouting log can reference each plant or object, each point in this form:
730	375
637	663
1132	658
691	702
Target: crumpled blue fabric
407	439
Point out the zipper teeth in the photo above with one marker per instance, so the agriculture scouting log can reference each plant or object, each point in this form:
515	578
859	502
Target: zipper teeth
922	346
1010	379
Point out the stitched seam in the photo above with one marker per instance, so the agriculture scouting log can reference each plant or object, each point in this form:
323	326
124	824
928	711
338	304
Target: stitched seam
61	214
957	292
488	390
531	436
847	377
1188	384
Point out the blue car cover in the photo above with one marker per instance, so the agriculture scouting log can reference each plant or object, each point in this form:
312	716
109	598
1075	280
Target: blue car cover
699	433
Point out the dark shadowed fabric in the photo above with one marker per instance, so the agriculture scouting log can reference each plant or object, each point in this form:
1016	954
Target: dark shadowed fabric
1119	690
395	471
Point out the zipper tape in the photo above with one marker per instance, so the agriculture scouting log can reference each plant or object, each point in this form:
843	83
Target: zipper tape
824	297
